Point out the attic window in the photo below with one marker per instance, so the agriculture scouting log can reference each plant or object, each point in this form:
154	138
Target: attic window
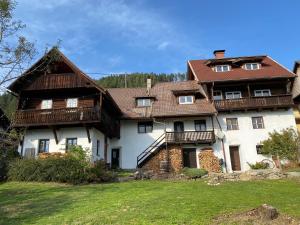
222	68
143	102
189	99
252	66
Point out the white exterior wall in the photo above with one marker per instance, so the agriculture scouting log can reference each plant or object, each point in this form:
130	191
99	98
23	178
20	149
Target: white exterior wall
247	138
32	137
132	143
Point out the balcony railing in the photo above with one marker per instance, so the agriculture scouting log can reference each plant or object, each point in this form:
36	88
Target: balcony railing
56	116
279	101
188	137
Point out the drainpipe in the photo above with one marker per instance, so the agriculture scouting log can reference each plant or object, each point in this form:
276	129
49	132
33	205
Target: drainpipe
223	148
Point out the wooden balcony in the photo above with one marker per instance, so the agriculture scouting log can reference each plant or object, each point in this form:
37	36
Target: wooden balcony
24	118
278	101
190	137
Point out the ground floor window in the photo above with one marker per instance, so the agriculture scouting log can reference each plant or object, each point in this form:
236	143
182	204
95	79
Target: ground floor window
259	149
43	145
98	148
70	142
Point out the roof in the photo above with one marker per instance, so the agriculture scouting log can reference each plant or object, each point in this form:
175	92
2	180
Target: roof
16	86
270	69
165	101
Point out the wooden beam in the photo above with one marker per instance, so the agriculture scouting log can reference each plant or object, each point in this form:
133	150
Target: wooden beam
55	134
88	133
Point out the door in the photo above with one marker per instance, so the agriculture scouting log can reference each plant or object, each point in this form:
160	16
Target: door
115	158
189	158
178	129
235	158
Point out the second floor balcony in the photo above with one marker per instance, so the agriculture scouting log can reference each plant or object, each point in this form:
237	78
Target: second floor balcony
274	101
190	137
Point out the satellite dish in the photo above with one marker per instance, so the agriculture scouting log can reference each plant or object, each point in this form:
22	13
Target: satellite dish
220	134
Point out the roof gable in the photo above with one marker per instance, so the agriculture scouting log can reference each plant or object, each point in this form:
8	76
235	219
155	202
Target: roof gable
53	70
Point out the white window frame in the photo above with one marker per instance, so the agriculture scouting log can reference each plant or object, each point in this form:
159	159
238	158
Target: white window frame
217	97
232	126
72	102
143	102
183	100
233	93
252	66
222	68
256	124
47	104
260	93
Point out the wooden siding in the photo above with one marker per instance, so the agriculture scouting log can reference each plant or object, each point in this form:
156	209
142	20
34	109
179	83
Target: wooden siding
56	81
279	101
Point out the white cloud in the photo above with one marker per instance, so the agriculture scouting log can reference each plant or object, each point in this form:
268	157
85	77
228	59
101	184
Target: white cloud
163	45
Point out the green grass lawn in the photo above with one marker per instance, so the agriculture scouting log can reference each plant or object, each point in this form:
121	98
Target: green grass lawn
140	202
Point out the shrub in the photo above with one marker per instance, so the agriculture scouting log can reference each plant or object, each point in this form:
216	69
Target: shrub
259	165
65	169
98	172
6	155
194	173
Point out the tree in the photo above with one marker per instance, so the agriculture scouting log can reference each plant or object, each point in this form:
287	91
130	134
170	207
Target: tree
282	145
15	50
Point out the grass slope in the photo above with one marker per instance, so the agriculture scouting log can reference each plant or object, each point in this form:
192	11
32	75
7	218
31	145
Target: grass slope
142	202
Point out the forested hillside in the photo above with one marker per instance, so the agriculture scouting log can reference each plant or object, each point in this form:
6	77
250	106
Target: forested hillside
8	102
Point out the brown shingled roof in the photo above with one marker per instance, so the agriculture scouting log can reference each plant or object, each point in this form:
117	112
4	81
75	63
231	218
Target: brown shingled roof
165	103
270	69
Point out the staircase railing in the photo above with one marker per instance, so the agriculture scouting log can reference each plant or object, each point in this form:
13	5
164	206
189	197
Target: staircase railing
151	148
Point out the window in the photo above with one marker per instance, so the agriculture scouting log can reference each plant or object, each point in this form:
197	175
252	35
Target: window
200	125
252	66
143	102
43	145
186	99
70	142
233	95
232	123
259	149
222	68
46	104
217	95
257	122
72	102
264	92
145	127
98	148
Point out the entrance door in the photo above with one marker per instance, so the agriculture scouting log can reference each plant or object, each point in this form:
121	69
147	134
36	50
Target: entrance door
235	158
178	126
115	158
189	158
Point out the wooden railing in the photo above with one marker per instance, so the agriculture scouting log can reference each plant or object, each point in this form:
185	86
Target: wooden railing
254	102
56	116
198	137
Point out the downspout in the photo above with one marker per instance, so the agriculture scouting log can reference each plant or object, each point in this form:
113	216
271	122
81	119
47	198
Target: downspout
223	148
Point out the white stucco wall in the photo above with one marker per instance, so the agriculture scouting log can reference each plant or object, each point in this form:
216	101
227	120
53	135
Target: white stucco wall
32	137
247	138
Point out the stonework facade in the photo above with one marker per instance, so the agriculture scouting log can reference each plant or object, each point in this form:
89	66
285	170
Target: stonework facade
166	159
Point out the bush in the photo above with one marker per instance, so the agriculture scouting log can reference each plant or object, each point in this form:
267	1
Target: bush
98	172
194	173
6	155
65	169
259	165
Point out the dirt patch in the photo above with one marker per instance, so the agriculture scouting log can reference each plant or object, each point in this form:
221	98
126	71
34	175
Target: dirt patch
255	217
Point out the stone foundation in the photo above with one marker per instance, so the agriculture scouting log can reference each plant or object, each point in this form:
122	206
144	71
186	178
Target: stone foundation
165	159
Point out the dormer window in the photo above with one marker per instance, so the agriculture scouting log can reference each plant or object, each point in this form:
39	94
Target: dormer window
143	102
189	99
252	66
222	68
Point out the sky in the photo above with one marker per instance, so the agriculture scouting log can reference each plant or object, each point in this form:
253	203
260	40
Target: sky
117	36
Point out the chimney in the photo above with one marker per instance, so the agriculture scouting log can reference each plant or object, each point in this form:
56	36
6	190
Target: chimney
148	85
219	54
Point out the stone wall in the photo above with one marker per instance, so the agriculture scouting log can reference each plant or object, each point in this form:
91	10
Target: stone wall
163	159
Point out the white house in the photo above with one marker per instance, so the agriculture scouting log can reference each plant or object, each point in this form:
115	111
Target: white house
228	105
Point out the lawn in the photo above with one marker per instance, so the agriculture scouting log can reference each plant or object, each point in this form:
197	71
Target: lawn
140	202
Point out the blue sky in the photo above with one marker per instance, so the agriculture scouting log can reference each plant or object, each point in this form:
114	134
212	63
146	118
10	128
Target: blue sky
115	36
